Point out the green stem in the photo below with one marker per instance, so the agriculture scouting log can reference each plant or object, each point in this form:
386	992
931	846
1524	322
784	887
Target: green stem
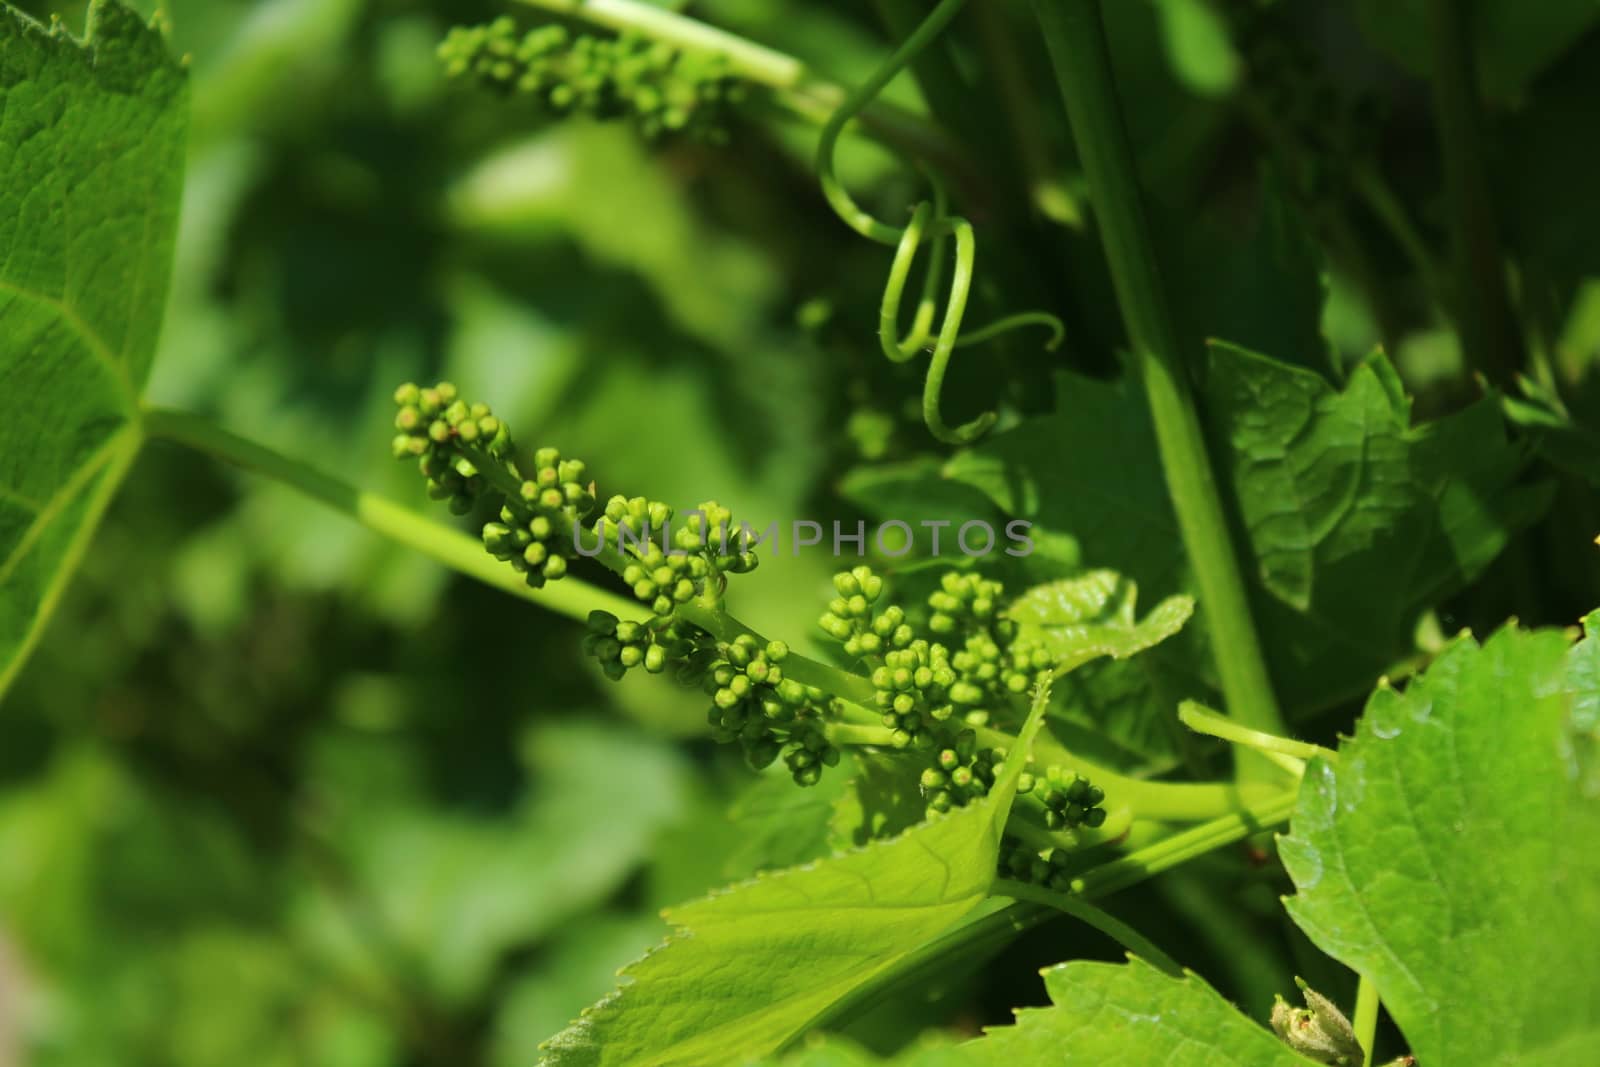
849	733
1180	848
1087	913
1075	37
1366	1020
573	598
794	85
1286	752
746	59
1489	334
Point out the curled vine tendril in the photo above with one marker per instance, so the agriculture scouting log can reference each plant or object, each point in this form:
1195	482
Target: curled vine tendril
930	222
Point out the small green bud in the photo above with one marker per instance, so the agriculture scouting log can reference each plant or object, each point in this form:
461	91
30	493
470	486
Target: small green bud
1319	1031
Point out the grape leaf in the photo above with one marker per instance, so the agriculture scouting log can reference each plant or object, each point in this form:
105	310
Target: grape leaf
880	801
91	168
1338	493
1342	497
1110	1013
755	965
778	825
1448	854
1101	1013
1092	615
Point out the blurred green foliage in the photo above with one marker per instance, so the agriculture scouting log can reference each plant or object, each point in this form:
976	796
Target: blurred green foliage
273	791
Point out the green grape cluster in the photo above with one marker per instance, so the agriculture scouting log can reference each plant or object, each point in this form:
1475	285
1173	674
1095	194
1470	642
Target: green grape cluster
933	679
621	645
464	451
429	425
662	89
752	702
1050	868
913	690
852	621
931	689
710	529
1069	800
960	773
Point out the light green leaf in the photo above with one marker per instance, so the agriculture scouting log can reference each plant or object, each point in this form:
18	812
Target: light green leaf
1092	615
1101	1013
882	800
754	966
1449	856
91	167
778	825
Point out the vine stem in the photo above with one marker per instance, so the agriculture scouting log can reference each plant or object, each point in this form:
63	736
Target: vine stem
1288	753
1489	334
1366	1020
1075	37
795	86
1182	847
1089	915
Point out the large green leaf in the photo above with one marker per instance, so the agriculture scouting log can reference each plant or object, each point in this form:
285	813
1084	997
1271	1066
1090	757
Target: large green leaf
91	168
1356	520
752	967
1449	854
